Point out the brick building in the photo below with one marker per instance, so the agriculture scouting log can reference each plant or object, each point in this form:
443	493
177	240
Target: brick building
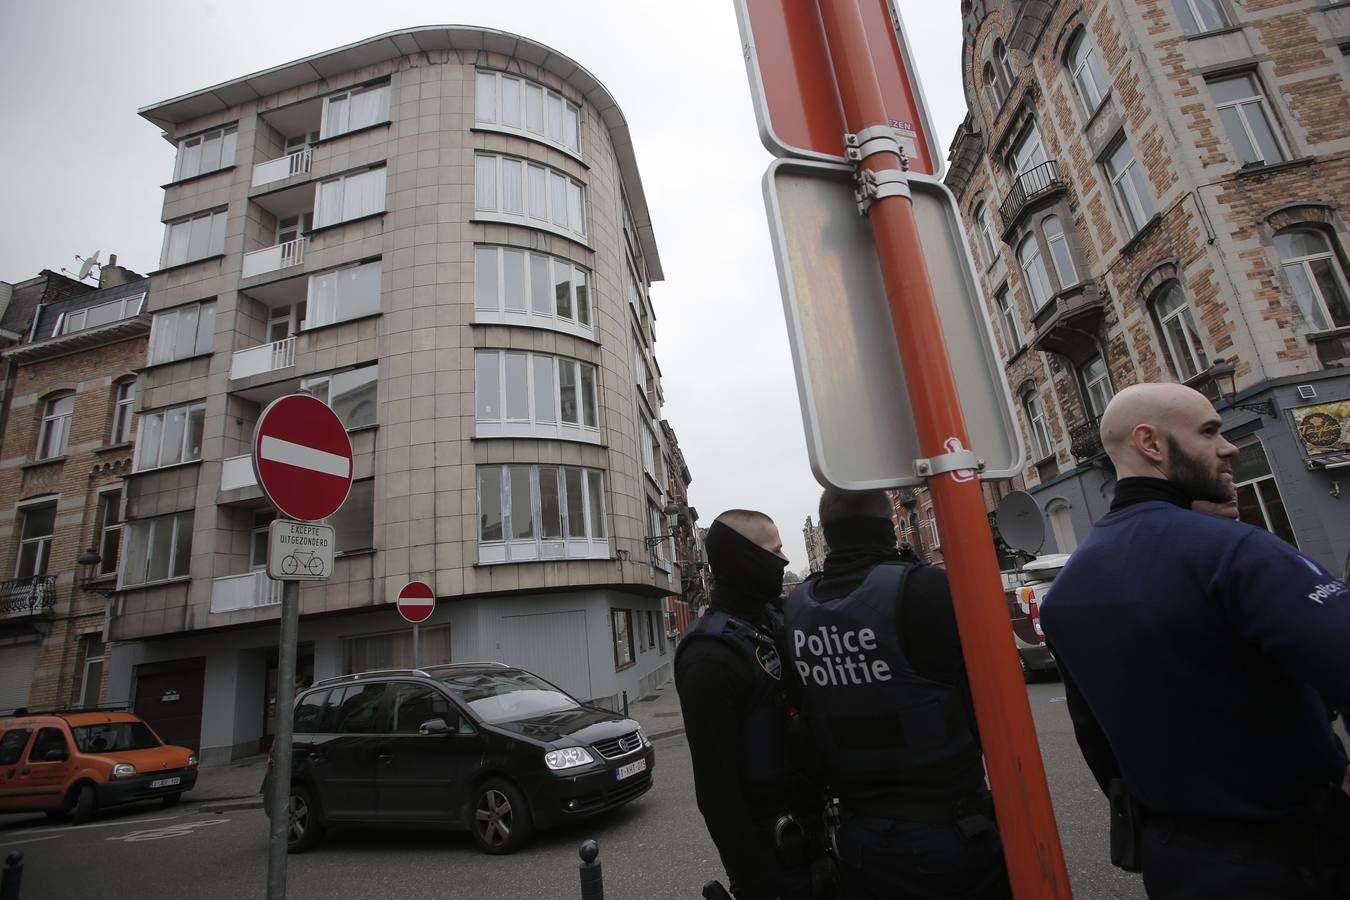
65	447
1156	191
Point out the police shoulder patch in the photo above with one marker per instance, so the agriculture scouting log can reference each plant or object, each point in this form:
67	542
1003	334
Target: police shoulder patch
769	661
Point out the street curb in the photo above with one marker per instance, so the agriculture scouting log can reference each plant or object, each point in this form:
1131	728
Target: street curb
658	735
212	806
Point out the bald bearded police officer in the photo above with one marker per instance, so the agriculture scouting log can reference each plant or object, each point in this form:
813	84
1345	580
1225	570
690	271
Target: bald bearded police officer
730	679
873	646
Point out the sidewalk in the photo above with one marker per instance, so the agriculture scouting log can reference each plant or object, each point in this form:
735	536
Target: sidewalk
236	785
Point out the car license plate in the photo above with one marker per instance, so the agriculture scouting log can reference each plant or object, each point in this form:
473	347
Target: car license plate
165	782
631	769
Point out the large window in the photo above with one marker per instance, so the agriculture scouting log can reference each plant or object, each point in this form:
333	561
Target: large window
529	193
1033	271
621	621
358	107
92	682
1028	152
1200	16
205	152
1059	251
998	76
534	395
341	294
351	394
1097	386
660	534
984	227
124	410
1089	81
182	332
1129	186
1181	338
1259	500
196	237
540	512
1041	445
109	534
394	650
170	436
37	523
1316	278
934	536
349	196
354	524
54	431
1008	316
523	287
103	314
517	104
1242	107
157	549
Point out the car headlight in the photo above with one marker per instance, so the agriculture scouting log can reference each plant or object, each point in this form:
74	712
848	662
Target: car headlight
192	759
567	758
123	770
643	738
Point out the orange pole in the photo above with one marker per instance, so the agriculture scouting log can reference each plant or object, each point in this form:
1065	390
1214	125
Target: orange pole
1026	818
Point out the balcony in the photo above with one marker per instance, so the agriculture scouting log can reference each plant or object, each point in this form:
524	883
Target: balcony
1036	184
236	473
252	590
288	166
262	359
26	598
1085	443
1070	323
273	259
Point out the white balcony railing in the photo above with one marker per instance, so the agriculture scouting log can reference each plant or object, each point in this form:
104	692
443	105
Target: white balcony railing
270	259
248	591
296	163
264	358
237	472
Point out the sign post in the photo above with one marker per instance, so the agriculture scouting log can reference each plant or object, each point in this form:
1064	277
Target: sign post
835	43
416	603
302	458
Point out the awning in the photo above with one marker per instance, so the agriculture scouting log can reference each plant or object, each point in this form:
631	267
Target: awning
1330	461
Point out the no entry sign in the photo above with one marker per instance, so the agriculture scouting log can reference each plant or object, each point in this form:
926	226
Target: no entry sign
302	457
416	602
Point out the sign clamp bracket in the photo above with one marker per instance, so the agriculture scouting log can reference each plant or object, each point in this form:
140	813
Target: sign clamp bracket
871	186
948	462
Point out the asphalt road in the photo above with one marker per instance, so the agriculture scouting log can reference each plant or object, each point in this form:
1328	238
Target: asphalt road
653	849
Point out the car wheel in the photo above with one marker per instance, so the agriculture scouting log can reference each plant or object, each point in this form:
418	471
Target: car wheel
1028	676
172	799
501	820
306	825
85	803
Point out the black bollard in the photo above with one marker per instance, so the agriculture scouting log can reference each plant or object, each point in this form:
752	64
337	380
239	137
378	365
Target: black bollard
592	879
625	704
13	877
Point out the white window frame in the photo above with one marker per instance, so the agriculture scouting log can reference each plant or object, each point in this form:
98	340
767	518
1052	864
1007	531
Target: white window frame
180	548
656	521
1097	390
1129	187
1089	80
1250	107
492	205
1034	274
86	698
1321	309
993	82
533	425
1194	12
225	140
150	433
496	118
124	411
1061	526
490	286
54	432
109	502
363	193
1008	312
1039	425
337	120
346	305
933	531
165	336
593	543
984	227
42	542
1195	358
76	319
321	386
1255	484
181	233
1060	254
1029	152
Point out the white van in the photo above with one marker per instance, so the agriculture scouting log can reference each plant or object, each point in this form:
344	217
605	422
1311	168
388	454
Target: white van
1024	607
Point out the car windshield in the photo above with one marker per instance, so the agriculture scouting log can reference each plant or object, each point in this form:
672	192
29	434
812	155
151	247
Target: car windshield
110	736
507	695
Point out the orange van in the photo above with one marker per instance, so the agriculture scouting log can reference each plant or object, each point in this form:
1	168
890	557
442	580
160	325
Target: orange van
78	762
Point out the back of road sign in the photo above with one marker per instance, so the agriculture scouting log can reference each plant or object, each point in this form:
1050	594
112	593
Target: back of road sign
855	402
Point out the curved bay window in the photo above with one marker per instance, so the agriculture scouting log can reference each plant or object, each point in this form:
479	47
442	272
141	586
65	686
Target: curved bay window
1316	278
1033	271
1181	339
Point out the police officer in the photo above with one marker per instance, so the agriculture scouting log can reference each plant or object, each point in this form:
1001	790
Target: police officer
1200	655
729	676
872	643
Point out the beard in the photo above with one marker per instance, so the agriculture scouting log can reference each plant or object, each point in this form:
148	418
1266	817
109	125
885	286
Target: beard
1198	478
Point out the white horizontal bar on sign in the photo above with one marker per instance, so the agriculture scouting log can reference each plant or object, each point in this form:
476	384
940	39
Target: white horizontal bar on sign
302	457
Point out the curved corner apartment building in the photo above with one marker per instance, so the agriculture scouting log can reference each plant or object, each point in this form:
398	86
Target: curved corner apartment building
442	233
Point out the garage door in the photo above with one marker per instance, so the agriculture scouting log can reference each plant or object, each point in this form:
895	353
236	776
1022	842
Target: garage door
169	697
551	645
16	674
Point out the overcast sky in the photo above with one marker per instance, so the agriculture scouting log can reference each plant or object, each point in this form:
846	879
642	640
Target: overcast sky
81	171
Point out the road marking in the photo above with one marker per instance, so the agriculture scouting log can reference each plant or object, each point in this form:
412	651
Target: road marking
300	456
1056	699
107	824
168	831
33	840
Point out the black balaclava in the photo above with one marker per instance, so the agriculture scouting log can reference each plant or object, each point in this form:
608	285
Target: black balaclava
858	543
745	575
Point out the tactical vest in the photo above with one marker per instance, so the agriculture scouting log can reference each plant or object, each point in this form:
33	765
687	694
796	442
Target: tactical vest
766	762
874	719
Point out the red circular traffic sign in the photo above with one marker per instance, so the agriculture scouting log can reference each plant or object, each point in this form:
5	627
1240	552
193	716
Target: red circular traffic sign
302	457
416	602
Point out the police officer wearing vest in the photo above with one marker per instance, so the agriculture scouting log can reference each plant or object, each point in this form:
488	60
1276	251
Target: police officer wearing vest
873	645
730	679
1200	656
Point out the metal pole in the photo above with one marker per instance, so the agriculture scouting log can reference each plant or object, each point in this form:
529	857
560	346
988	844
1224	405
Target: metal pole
279	800
417	647
1026	818
592	877
12	880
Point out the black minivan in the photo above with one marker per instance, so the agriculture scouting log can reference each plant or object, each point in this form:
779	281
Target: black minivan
483	746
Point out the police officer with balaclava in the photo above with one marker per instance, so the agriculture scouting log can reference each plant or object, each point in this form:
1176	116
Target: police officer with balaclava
872	644
730	679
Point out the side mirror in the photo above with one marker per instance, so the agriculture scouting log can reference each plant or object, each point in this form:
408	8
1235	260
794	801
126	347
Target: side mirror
433	726
56	754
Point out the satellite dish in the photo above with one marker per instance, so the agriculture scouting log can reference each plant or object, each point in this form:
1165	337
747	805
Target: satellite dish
88	265
1019	522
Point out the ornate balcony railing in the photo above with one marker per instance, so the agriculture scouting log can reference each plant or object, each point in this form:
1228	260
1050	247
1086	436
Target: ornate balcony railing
24	597
1031	185
1085	442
